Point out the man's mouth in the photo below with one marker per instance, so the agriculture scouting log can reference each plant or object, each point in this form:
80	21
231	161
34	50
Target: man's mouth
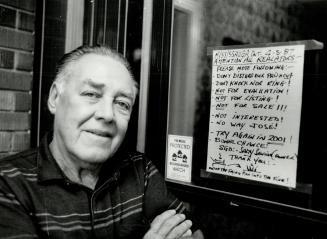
100	133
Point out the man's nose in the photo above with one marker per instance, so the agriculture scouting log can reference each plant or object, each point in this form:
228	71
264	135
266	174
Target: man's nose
105	110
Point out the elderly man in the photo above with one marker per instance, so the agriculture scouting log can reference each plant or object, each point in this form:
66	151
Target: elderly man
78	184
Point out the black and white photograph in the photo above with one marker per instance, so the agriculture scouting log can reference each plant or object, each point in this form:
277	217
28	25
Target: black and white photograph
163	119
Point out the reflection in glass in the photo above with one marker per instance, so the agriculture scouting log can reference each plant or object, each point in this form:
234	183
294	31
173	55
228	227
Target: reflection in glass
221	23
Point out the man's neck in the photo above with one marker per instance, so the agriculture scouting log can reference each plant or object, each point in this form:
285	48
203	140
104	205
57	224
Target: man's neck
77	171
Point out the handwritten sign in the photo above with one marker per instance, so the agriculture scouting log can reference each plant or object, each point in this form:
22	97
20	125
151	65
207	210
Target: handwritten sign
255	113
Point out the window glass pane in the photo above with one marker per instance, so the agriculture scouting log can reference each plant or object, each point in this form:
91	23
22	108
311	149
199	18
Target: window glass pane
201	24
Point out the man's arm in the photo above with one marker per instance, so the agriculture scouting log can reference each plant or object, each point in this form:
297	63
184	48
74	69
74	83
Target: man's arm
158	200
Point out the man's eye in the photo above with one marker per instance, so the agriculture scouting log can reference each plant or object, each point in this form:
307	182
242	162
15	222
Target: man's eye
124	105
91	94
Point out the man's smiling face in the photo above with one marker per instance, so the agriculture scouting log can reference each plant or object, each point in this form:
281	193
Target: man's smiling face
92	109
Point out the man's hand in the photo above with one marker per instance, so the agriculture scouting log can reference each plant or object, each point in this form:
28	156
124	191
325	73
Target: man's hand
169	225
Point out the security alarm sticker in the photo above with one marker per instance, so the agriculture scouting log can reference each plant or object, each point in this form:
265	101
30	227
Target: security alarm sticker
179	158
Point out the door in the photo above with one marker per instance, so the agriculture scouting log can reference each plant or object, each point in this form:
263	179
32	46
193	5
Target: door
180	87
64	25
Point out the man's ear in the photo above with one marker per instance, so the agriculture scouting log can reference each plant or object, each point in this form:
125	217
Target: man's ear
53	98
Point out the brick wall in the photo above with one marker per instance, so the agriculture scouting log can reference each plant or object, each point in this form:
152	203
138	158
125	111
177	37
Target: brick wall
16	73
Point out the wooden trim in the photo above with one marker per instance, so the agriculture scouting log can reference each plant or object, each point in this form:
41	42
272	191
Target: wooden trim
159	82
37	73
74	24
144	77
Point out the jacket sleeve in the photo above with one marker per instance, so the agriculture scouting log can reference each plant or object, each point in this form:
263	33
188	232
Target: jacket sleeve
15	221
157	197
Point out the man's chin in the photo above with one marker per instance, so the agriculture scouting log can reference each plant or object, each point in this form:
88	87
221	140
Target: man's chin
96	157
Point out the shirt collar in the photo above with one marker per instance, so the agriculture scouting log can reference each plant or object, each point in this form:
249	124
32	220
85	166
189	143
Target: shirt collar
48	168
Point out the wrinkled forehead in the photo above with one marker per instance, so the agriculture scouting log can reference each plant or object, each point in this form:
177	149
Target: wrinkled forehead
96	65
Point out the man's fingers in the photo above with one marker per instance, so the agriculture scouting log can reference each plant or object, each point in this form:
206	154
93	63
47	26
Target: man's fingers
170	224
188	233
180	230
160	219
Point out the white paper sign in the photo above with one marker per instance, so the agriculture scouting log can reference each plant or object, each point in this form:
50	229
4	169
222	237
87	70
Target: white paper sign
179	158
255	113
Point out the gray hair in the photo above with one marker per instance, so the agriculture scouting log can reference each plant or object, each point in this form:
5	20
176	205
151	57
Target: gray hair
64	65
